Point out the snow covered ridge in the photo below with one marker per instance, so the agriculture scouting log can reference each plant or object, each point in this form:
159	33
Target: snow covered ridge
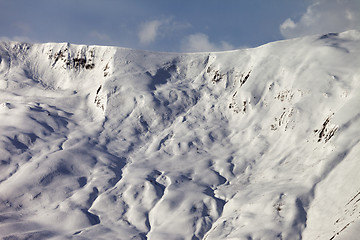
113	143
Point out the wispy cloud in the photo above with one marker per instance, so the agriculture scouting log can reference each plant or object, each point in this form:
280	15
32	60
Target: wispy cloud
23	27
149	31
100	36
153	30
200	42
16	39
324	16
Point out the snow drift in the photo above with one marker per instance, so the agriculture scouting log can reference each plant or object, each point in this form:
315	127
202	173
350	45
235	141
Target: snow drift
112	143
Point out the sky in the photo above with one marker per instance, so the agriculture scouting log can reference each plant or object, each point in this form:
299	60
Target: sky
173	25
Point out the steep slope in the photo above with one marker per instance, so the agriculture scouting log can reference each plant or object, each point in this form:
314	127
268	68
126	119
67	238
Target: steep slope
113	143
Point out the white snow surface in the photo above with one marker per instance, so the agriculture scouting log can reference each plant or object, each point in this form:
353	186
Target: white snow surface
112	143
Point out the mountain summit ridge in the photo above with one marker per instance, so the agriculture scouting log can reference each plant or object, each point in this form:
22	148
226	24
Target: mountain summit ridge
106	142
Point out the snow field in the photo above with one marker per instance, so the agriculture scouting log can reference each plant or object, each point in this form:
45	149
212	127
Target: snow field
112	143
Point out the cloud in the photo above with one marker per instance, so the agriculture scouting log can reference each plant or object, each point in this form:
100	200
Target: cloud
199	42
324	16
149	31
16	39
24	28
160	28
100	36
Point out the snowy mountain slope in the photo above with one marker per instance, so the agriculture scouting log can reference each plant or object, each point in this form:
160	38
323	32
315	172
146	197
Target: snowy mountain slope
112	143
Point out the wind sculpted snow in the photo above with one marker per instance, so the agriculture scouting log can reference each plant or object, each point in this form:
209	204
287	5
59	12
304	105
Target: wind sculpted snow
112	143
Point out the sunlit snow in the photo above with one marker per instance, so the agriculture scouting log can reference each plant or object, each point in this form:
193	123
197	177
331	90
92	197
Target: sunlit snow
112	143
